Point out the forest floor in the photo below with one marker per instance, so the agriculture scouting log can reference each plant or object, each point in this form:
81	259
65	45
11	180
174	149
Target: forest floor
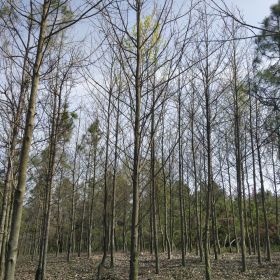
227	267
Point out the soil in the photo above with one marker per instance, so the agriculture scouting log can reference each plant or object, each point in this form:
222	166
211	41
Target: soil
227	267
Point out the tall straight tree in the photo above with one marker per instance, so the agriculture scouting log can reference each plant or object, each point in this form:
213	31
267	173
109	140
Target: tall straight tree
194	159
134	44
153	176
256	203
13	138
93	137
181	182
133	272
46	32
57	133
75	178
238	153
23	162
113	206
263	200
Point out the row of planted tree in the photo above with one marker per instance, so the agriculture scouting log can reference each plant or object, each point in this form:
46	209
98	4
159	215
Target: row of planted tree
136	126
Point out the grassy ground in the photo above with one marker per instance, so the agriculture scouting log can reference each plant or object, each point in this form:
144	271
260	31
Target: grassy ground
227	267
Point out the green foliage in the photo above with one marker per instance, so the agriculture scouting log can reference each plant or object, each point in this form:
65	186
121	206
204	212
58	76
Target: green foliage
268	47
64	9
94	134
74	115
66	12
5	10
268	44
150	33
66	123
8	13
271	75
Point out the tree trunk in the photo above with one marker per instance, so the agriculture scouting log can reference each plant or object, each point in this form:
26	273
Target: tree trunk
239	181
91	212
113	213
71	235
24	156
255	184
106	235
153	184
276	195
133	273
267	240
166	236
181	193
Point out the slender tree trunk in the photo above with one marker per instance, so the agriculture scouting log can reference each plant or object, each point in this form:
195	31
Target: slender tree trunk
250	206
238	159
133	273
41	269
83	221
8	183
112	245
245	211
171	215
166	236
225	203
151	230
198	235
255	184
276	194
209	168
34	237
214	226
153	184
24	156
267	240
189	220
71	235
181	193
6	200
58	219
231	198
106	235
91	212
124	227
239	188
84	199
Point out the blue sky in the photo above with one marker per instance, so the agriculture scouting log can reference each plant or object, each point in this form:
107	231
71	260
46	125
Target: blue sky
254	11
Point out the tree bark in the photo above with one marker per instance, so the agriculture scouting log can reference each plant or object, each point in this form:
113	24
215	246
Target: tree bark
24	156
